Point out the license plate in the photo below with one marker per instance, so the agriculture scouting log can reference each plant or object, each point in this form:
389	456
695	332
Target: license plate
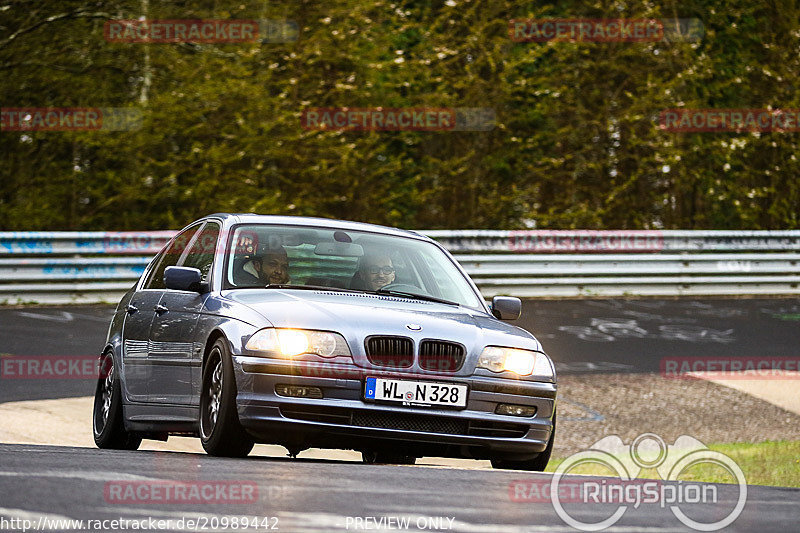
412	393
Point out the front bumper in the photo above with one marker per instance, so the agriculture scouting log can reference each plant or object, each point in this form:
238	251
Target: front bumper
342	419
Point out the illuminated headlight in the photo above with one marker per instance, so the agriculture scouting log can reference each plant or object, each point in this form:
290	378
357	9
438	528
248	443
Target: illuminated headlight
522	362
282	342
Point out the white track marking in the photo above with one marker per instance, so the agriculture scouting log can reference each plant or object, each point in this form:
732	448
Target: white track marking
80	474
312	522
64	316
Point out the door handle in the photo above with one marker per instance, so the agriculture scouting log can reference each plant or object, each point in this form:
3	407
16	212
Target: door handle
160	309
131	309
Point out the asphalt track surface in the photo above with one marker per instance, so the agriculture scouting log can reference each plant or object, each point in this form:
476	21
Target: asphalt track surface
598	336
53	482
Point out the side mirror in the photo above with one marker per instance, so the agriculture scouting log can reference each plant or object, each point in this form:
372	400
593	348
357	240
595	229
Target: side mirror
506	307
183	279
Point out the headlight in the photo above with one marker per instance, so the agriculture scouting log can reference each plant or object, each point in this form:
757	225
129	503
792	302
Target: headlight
522	362
280	342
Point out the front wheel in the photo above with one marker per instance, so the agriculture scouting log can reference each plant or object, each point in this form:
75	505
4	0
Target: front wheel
221	433
537	464
107	419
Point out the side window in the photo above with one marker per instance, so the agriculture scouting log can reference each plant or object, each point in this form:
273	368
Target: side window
169	257
201	254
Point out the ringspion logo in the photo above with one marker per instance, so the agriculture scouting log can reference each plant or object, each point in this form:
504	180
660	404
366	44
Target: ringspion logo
647	452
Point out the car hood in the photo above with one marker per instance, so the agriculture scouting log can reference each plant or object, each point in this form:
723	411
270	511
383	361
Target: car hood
360	315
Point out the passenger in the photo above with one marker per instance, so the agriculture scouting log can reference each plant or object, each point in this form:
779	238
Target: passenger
271	266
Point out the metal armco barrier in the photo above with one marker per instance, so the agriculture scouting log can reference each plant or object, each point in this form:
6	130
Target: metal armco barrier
88	267
613	241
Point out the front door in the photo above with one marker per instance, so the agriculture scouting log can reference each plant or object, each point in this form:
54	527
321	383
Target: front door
137	345
136	371
172	350
176	354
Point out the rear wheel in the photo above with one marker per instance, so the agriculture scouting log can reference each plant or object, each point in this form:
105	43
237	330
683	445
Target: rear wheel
107	419
537	464
221	432
387	458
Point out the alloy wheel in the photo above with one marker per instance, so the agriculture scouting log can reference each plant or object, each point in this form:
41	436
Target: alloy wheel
107	392
214	395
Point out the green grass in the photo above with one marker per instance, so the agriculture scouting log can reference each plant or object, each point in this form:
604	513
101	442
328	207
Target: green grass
787	316
774	463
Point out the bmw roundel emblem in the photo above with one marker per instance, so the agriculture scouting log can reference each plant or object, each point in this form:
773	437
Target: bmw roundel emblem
414	327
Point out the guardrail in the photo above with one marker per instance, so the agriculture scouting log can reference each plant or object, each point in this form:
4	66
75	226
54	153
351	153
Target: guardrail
613	241
87	267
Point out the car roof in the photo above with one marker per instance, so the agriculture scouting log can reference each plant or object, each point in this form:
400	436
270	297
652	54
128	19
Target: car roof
253	218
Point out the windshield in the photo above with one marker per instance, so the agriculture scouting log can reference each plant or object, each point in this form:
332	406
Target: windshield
262	255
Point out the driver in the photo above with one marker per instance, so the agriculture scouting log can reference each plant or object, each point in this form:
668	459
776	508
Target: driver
375	271
270	267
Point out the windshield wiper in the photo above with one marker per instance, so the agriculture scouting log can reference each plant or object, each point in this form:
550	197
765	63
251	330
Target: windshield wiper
306	287
416	296
388	292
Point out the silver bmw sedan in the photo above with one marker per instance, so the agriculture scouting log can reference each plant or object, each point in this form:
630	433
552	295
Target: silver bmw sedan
308	332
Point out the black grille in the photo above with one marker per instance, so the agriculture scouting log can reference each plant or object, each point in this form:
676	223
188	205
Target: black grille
395	352
405	422
317	414
480	428
441	356
422	423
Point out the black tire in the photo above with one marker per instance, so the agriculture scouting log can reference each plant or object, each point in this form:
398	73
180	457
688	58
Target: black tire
221	433
387	458
108	424
537	464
